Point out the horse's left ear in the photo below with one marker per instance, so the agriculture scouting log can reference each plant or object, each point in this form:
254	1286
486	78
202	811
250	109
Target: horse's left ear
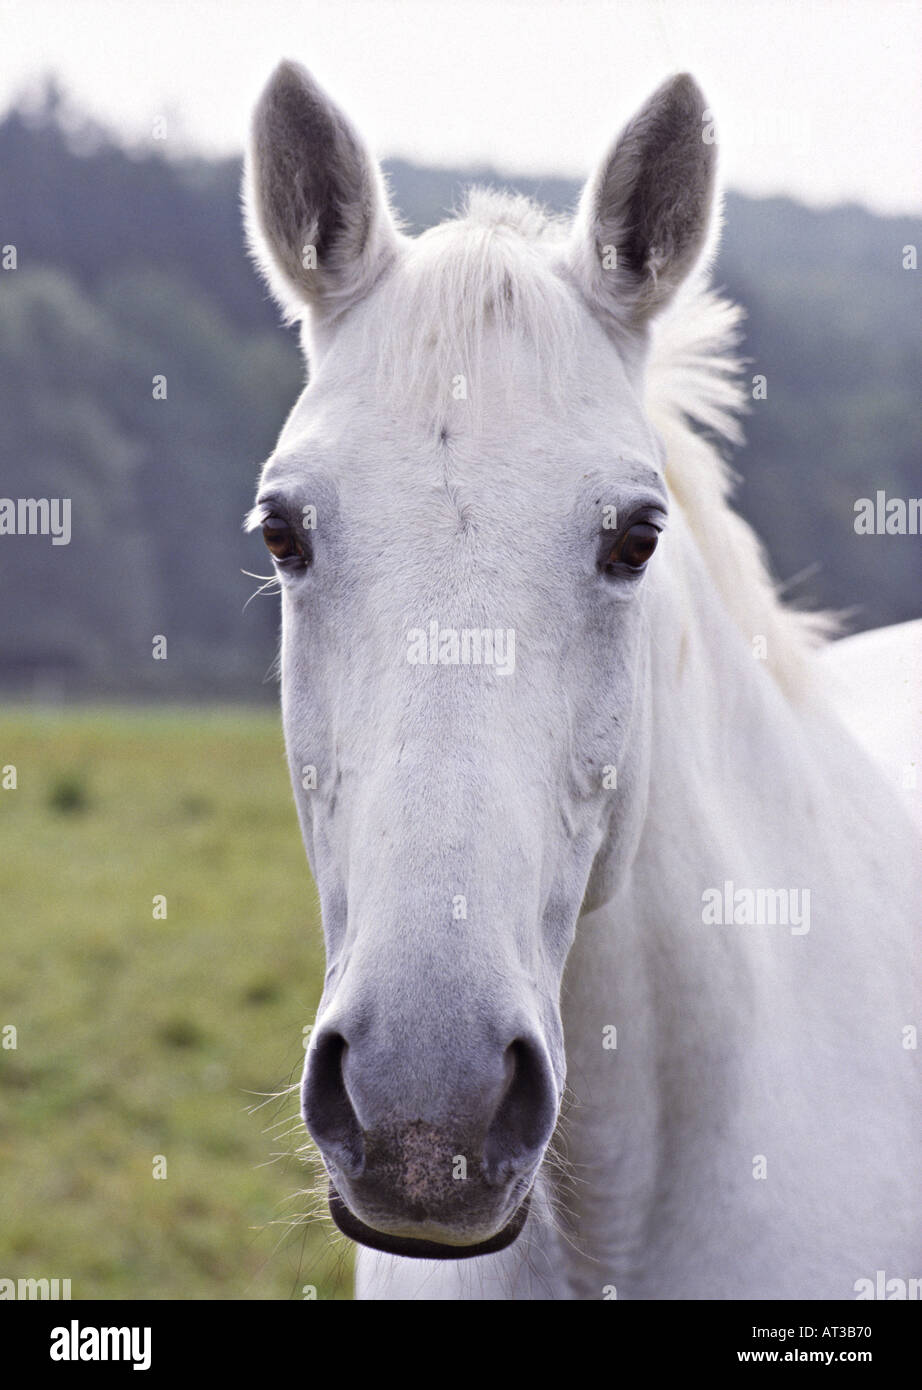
643	219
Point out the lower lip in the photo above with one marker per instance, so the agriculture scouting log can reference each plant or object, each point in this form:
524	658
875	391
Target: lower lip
356	1230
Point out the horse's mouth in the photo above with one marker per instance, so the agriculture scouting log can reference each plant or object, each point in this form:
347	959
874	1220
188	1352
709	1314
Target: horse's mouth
356	1230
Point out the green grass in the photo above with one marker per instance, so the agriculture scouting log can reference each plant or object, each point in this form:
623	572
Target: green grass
140	1037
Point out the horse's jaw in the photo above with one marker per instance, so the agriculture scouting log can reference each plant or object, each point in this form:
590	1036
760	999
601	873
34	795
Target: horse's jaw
420	1249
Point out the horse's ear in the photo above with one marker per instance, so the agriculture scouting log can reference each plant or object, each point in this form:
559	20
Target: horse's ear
643	219
316	209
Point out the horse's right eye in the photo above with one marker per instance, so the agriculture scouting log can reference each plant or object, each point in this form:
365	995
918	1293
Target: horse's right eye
632	550
283	543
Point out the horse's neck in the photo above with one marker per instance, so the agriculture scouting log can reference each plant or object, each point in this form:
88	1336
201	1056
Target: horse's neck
739	769
747	787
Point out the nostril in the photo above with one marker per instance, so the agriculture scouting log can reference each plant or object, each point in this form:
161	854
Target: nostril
526	1115
327	1109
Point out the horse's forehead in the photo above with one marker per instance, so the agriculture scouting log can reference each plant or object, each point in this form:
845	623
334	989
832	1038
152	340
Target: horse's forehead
473	368
514	459
499	433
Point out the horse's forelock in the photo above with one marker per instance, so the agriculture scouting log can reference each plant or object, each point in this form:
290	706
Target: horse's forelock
485	274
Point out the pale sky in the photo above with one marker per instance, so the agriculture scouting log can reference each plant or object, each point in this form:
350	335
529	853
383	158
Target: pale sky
820	99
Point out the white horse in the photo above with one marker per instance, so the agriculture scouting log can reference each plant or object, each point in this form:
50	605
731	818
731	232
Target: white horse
621	987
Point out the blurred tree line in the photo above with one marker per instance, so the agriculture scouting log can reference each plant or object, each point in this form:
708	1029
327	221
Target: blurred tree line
130	266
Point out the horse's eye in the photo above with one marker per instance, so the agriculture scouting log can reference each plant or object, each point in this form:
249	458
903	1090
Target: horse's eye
632	550
283	543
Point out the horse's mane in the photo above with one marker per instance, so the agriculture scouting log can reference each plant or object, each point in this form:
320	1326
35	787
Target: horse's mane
695	395
489	264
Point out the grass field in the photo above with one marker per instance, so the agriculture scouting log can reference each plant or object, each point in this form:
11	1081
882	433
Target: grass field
140	1037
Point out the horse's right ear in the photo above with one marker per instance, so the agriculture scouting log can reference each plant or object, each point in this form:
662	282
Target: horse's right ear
643	220
315	206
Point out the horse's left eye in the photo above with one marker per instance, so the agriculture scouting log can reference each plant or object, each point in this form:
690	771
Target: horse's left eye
632	550
283	543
